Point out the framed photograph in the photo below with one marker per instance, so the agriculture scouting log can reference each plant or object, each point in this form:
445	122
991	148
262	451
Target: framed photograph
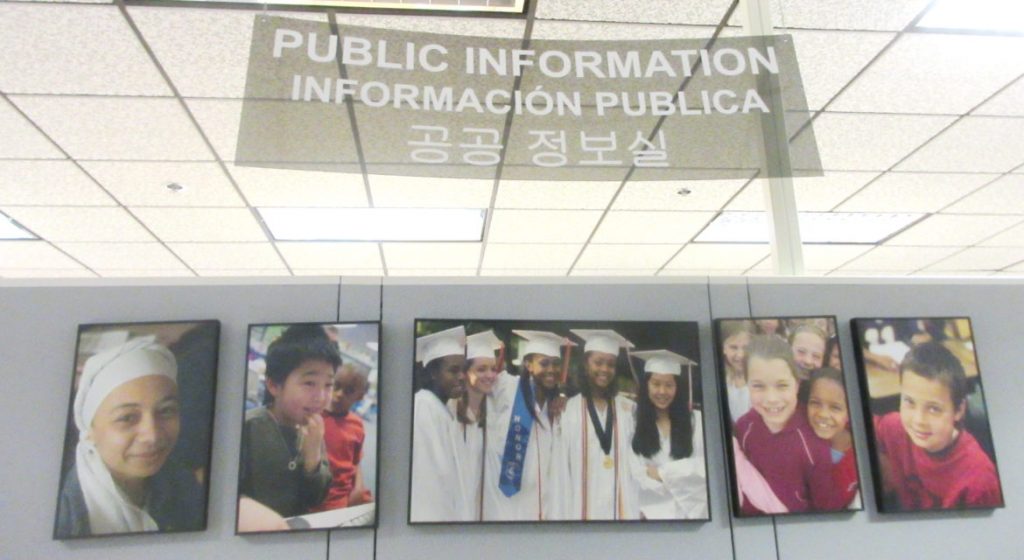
931	446
557	421
787	416
309	434
139	426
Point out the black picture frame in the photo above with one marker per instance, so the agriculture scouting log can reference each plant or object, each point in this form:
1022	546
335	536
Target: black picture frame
890	405
681	337
357	343
844	494
177	494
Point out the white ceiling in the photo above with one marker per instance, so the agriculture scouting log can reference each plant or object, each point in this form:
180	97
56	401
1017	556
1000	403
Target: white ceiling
102	105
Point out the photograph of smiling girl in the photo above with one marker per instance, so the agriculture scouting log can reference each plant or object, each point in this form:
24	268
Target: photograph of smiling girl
931	446
309	438
137	444
787	416
568	421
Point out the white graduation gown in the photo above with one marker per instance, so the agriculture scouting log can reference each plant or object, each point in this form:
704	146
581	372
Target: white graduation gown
682	492
541	493
469	448
610	491
436	490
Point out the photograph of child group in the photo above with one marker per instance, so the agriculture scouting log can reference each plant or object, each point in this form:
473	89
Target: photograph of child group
929	432
137	444
536	421
309	441
788	415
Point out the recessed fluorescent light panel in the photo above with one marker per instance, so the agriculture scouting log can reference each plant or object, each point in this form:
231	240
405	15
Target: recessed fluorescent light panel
993	16
9	229
815	227
374	224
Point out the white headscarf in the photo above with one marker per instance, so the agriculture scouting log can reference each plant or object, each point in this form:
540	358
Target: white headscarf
110	510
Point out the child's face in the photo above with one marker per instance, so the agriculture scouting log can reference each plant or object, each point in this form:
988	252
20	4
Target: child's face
450	380
773	390
662	389
808	351
348	389
482	374
735	350
545	370
928	413
826	409
600	369
304	393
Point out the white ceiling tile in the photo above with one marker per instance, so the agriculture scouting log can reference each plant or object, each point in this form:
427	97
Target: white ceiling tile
625	256
813	194
1009	102
431	272
1011	237
431	255
953	273
708	12
827	257
34	255
48	182
228	256
338	271
145	183
220	120
46	273
472	26
914	192
73	49
569	195
895	259
615	31
57	223
915	75
976	144
701	272
677	195
651	227
22	140
201	224
524	272
294	188
145	273
106	128
1017	268
953	230
392	191
980	258
330	255
542	226
882	15
527	257
830	59
241	272
125	256
881	273
849	141
1003	196
614	272
718	256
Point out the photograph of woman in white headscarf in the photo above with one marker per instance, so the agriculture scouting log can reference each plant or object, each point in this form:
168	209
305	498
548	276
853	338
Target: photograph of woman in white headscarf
137	446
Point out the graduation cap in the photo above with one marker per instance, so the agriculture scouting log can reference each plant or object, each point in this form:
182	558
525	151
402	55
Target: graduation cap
542	342
449	342
602	340
668	362
482	345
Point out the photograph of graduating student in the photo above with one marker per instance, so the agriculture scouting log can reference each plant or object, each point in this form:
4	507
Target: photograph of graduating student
309	438
137	445
557	421
931	445
787	416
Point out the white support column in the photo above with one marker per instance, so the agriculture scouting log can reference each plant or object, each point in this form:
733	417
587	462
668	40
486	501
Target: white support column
779	196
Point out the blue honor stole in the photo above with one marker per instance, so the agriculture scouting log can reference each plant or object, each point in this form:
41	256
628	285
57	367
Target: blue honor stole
516	441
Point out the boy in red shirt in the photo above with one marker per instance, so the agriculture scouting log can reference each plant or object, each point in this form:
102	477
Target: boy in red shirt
927	460
343	437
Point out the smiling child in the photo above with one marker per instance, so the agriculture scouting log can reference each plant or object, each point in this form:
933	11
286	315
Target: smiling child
829	416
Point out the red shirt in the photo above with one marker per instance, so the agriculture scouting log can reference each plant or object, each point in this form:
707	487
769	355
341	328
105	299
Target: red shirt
795	462
844	480
960	476
343	439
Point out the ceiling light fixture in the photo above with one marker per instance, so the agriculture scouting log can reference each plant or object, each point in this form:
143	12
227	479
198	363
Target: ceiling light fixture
815	227
986	16
9	229
374	224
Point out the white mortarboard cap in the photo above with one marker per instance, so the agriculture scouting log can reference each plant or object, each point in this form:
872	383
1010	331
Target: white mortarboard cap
663	361
542	342
602	340
482	345
450	342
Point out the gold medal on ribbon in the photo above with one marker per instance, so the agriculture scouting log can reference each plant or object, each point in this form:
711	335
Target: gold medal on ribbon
608	463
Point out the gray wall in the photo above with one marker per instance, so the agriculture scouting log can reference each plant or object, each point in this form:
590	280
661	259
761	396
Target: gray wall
40	321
